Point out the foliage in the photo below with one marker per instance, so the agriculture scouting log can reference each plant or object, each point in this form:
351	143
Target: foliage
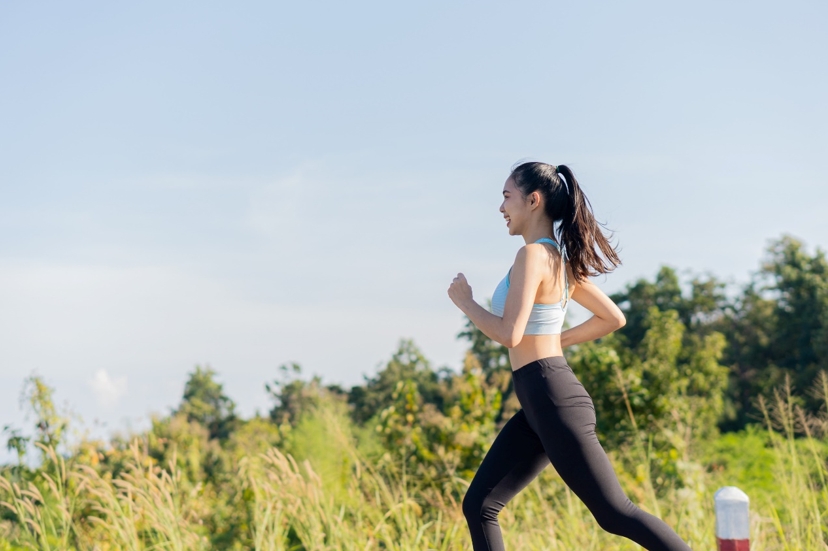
407	364
436	444
777	327
385	464
663	394
493	359
294	503
292	395
205	403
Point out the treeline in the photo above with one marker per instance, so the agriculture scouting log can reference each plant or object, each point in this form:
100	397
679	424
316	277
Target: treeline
697	358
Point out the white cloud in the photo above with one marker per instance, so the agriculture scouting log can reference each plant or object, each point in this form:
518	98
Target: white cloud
108	390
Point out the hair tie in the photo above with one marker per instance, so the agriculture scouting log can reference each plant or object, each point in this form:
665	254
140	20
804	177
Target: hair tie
563	179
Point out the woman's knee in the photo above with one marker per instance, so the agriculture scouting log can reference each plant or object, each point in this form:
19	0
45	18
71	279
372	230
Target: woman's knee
612	523
618	520
478	507
472	507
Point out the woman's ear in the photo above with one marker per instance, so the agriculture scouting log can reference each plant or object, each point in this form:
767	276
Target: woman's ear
534	199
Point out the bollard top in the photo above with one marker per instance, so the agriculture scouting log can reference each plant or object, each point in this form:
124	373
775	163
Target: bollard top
732	514
730	493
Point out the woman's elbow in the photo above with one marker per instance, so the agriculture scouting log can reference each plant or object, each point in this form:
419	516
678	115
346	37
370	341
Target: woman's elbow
620	321
512	340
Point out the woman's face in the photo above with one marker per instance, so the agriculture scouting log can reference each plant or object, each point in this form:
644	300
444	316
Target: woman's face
515	208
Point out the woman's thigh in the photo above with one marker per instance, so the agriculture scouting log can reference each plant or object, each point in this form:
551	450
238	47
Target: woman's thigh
516	457
563	416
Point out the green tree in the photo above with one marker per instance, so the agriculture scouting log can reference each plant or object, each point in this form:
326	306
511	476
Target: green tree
800	284
436	444
703	303
407	364
16	442
749	328
778	328
473	410
663	393
204	402
294	396
50	424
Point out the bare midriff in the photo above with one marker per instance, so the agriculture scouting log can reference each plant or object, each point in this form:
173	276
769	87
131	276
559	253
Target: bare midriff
534	347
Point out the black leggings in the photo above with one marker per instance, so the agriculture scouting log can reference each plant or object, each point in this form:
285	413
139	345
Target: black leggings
557	424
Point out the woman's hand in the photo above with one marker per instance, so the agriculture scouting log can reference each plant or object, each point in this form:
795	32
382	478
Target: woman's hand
530	263
607	316
460	292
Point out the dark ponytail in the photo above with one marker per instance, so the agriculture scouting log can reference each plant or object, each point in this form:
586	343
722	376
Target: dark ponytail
588	250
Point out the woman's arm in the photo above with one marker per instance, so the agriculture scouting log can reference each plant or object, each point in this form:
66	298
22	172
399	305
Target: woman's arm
527	273
606	315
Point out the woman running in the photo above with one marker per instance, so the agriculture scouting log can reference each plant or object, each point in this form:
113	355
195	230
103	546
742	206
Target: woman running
557	420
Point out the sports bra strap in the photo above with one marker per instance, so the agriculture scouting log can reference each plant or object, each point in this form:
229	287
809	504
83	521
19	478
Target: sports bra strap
547	240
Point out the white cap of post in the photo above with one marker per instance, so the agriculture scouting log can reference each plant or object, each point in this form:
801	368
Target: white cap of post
732	520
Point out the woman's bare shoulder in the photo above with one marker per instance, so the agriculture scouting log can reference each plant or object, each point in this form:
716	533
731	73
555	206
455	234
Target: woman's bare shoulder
536	257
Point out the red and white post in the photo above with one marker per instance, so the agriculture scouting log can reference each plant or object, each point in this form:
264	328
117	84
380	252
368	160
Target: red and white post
732	520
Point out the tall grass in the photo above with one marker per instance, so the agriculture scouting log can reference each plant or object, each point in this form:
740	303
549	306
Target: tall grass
377	505
144	507
378	509
76	507
45	512
800	512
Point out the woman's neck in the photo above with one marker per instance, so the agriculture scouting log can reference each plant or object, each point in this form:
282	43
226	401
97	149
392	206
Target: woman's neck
536	232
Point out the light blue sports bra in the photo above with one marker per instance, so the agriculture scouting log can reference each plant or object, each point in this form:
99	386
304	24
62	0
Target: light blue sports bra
545	319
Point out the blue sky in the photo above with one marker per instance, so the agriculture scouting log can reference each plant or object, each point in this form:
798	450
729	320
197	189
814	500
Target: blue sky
243	185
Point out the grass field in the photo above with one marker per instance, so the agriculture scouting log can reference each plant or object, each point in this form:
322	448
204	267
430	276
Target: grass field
334	499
